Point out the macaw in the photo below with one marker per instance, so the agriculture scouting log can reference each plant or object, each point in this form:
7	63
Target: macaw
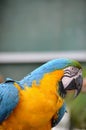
36	102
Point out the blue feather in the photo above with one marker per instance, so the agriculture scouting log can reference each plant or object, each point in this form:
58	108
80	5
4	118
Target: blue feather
46	68
8	99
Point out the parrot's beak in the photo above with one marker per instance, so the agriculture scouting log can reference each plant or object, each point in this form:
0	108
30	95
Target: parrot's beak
75	84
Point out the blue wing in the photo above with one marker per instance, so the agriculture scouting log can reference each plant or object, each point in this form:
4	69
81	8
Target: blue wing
60	115
38	73
8	98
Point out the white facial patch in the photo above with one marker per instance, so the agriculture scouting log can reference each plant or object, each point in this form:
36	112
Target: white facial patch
70	73
66	81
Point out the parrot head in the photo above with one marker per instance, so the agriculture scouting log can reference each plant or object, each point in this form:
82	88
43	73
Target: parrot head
72	78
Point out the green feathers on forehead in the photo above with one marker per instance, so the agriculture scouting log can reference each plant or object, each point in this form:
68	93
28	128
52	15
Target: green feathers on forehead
74	63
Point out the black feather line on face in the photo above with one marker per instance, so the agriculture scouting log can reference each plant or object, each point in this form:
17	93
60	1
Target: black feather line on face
62	91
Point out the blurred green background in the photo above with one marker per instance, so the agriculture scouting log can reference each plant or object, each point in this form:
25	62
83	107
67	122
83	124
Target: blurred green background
44	26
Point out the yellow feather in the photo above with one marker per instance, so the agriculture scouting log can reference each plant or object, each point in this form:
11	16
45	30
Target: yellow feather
37	105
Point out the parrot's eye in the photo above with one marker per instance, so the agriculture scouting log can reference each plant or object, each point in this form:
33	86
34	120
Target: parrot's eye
70	71
72	80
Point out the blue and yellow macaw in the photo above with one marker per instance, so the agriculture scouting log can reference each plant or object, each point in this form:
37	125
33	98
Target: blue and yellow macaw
37	101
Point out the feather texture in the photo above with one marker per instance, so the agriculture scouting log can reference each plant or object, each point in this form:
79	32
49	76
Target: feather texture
37	104
34	103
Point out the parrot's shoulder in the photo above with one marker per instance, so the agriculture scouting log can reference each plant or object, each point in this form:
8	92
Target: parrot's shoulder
8	98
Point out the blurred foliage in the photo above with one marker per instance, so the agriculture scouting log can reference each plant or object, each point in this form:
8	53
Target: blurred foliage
78	112
84	71
77	109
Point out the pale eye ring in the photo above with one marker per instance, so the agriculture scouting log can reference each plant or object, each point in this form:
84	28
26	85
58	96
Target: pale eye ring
71	71
74	70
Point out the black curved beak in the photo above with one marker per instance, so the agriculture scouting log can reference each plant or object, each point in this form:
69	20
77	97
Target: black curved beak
75	84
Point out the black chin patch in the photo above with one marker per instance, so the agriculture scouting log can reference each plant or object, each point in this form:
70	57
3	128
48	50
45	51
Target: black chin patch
62	91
